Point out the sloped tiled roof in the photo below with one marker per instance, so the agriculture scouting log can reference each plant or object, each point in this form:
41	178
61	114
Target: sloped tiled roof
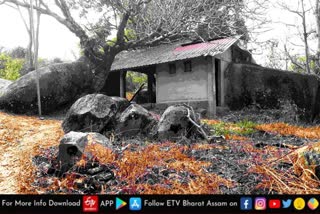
169	53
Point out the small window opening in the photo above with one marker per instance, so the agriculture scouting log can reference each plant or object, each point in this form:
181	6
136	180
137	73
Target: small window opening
187	66
172	68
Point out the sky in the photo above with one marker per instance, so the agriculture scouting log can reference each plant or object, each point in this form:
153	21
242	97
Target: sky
57	41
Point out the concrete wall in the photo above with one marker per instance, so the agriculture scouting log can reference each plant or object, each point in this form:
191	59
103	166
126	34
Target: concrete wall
182	86
268	88
190	86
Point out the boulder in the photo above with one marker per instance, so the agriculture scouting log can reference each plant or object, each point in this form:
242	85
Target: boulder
121	103
134	120
59	84
93	113
73	146
3	85
174	123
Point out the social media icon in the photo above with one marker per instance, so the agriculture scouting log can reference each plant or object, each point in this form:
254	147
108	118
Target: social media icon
120	203
286	203
245	203
135	204
260	203
90	203
274	204
313	203
299	203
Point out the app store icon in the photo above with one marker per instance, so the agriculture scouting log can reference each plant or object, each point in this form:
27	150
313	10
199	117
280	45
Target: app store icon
135	204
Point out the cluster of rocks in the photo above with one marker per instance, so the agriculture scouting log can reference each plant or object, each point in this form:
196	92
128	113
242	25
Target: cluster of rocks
98	116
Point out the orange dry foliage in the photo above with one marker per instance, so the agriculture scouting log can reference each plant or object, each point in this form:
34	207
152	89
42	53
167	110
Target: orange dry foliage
134	164
22	137
236	137
211	122
28	135
286	182
286	129
129	95
169	155
200	146
100	153
299	179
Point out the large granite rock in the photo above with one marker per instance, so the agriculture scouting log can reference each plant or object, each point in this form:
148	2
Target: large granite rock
93	113
174	123
4	85
73	146
136	120
59	84
269	88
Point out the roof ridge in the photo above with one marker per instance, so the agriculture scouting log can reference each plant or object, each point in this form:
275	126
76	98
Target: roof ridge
170	52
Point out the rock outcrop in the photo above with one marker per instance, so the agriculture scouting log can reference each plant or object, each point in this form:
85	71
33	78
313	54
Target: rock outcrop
174	123
3	85
136	120
59	84
73	146
93	113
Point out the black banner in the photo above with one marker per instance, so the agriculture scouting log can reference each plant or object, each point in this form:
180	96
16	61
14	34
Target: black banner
159	204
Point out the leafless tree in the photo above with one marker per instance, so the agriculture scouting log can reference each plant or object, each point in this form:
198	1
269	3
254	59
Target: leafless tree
301	11
27	21
274	54
317	18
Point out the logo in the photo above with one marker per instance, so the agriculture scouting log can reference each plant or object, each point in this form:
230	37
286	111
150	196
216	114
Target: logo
260	203
299	203
90	203
313	203
120	203
245	203
286	203
274	204
135	204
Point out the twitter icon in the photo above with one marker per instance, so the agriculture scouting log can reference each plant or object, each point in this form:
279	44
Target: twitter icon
286	203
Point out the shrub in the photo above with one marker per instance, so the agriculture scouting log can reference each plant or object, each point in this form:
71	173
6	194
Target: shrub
135	79
9	67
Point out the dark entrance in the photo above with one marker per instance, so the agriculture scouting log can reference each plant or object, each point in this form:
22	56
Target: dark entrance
217	64
112	85
146	95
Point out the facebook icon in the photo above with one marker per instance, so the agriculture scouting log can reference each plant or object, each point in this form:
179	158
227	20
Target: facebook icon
246	203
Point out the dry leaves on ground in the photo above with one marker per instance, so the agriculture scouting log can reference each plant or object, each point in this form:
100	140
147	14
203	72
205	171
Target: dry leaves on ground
24	137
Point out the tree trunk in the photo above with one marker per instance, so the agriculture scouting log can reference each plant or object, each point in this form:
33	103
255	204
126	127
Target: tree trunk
30	52
317	14
102	71
305	37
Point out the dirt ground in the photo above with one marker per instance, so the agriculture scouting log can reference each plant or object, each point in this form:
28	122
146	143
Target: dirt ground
21	136
250	161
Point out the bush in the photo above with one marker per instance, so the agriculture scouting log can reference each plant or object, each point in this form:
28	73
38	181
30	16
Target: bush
135	79
9	67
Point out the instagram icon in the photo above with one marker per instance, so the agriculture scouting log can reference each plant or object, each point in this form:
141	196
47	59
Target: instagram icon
260	203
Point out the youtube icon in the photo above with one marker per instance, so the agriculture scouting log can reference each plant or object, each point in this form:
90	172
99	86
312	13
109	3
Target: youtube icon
274	204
